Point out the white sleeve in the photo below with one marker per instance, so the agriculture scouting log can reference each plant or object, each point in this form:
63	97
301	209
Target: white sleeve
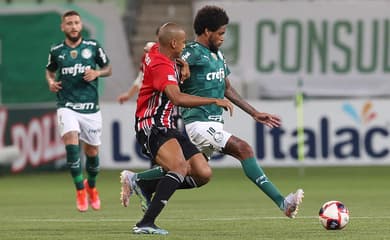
138	80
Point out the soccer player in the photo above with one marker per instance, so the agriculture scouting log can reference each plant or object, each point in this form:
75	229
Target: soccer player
155	132
78	63
204	124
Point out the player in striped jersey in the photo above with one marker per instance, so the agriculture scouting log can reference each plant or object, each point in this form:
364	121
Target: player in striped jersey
155	130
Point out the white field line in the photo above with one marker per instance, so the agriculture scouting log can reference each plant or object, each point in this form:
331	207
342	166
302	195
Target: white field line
176	219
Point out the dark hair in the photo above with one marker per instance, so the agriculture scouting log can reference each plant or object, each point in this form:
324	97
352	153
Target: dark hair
70	13
210	17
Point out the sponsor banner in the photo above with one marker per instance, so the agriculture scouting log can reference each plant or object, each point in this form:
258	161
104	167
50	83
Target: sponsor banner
29	139
336	132
338	48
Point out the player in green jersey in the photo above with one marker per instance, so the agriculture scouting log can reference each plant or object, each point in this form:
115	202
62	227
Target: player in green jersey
204	124
78	63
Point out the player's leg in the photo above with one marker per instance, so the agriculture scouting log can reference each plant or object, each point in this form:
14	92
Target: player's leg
91	128
69	130
144	183
206	134
241	150
163	144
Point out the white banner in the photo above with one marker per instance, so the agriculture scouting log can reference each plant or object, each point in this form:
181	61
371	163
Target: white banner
338	48
337	132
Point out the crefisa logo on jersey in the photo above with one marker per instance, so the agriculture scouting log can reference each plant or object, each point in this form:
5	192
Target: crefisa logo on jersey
86	53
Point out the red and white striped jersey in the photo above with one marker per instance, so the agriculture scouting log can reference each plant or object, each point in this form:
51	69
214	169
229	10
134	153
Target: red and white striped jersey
153	106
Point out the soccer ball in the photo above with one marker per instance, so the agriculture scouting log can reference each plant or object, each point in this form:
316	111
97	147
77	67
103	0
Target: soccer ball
334	215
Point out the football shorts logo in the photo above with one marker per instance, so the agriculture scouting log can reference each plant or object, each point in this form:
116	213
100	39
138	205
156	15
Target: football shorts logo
86	53
218	137
74	54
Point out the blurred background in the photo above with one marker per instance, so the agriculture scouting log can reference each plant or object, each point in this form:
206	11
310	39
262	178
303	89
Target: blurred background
322	65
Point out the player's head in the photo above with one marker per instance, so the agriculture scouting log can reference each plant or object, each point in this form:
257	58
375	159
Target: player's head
71	25
172	38
210	24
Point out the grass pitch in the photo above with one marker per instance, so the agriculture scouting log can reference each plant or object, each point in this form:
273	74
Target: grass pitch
42	206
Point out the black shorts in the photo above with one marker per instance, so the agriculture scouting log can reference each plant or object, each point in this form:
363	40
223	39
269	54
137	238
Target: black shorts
152	142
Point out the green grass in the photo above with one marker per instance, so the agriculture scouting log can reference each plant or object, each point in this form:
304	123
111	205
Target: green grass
41	206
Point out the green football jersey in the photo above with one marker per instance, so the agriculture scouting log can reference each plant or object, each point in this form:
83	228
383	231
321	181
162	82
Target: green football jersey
70	65
208	72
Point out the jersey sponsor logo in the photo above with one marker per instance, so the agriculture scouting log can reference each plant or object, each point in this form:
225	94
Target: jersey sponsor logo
217	118
62	56
185	55
75	69
172	78
74	54
219	75
86	53
80	106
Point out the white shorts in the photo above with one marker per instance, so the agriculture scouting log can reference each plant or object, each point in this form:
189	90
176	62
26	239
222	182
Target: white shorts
89	126
208	137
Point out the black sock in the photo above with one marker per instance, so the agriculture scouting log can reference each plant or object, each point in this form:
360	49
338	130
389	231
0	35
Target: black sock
149	186
188	183
165	189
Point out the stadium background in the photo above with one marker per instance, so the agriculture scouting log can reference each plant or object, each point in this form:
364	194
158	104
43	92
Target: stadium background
339	50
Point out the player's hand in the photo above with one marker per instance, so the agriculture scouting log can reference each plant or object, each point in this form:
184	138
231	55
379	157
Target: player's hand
226	104
267	119
123	97
184	69
91	74
55	86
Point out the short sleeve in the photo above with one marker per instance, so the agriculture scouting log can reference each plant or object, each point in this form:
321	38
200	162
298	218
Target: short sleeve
51	65
101	56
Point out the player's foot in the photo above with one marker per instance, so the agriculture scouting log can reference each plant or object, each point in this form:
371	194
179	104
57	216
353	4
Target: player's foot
149	229
81	200
291	203
130	185
93	196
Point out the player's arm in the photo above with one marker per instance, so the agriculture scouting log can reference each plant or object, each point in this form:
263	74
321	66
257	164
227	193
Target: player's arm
185	100
92	74
54	85
267	119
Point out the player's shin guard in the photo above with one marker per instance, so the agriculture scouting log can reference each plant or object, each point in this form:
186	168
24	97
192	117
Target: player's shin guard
74	164
165	189
255	173
92	168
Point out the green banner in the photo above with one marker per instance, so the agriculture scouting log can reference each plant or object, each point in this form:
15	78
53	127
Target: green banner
25	41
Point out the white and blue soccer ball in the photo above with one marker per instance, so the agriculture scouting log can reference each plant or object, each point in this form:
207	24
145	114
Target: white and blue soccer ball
334	215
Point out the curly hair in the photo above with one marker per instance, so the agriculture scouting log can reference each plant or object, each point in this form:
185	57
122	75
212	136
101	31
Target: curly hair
210	17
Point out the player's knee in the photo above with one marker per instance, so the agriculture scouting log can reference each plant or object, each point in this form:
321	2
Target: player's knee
91	150
180	166
204	176
244	150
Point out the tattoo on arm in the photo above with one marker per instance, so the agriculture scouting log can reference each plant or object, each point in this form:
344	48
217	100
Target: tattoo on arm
237	100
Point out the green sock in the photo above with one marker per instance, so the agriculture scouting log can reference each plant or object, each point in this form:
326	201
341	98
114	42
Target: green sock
74	164
150	174
254	172
92	168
